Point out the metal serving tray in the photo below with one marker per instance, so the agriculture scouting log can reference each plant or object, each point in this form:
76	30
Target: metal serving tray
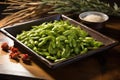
12	31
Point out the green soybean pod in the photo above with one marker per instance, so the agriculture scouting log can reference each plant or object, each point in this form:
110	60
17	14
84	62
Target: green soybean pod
53	41
51	58
36	43
74	43
61	59
83	33
46	53
53	44
66	41
70	40
97	44
31	41
65	52
59	38
59	54
42	32
50	48
43	50
49	26
67	32
24	40
35	49
82	45
55	28
35	37
77	50
21	37
30	45
42	43
57	42
84	51
39	53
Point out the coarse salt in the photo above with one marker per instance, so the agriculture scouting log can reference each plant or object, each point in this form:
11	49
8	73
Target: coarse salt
93	18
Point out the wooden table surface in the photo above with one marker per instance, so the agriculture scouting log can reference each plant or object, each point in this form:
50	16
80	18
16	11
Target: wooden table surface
101	66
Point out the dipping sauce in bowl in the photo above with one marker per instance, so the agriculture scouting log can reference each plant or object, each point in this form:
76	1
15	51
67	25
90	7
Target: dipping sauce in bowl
94	19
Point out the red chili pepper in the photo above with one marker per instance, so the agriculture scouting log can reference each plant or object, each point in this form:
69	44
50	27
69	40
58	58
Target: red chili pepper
26	59
13	49
14	55
25	56
5	46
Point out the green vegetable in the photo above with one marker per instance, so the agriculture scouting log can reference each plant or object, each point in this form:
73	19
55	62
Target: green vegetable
78	6
58	40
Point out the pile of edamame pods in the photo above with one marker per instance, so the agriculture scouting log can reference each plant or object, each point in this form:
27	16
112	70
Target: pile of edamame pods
58	40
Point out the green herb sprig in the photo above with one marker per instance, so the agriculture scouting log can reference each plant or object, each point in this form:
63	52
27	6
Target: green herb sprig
78	6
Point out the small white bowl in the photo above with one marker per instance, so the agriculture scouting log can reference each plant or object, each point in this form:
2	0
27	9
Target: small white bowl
94	19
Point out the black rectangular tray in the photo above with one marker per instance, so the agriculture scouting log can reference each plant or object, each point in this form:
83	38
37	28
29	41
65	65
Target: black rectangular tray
12	31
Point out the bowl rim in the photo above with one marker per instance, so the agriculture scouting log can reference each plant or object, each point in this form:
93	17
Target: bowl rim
84	14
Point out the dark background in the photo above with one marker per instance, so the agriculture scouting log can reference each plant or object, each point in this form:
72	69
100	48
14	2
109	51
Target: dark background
112	2
2	7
